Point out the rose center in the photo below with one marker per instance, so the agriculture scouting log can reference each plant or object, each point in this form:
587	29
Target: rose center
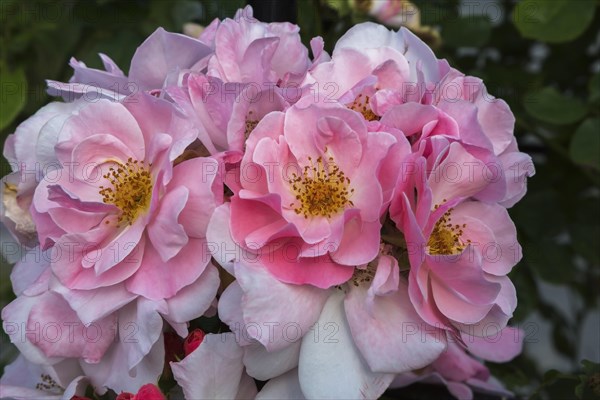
130	191
361	105
446	237
321	190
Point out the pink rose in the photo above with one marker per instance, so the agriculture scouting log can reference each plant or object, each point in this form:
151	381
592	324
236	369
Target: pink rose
247	50
157	62
26	151
313	185
123	228
460	250
461	372
146	392
225	113
128	219
193	340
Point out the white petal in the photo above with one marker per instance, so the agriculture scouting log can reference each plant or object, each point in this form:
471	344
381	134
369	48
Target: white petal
285	386
331	365
213	370
264	365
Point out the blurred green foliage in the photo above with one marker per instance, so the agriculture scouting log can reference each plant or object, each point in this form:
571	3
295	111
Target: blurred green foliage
541	56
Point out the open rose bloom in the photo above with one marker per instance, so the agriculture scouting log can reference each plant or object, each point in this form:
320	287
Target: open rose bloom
348	240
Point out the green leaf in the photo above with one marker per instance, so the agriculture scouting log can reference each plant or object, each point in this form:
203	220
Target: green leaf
343	7
589	386
585	144
471	31
554	21
549	105
590	367
13	94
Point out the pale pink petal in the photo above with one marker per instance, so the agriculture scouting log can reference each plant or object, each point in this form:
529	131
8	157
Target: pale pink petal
92	305
500	347
389	333
263	365
112	372
192	301
15	316
232	314
360	243
65	335
157	280
220	243
292	309
331	366
460	175
103	117
164	51
212	371
286	386
168	237
202	179
140	327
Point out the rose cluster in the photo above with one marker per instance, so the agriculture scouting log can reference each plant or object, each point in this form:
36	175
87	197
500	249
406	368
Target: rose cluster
343	215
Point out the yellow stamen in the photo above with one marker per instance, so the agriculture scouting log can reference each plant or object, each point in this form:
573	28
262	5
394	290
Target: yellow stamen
321	190
250	124
131	189
446	237
362	106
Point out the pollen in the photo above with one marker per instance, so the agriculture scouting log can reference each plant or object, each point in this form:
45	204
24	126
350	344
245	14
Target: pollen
49	385
361	105
446	237
250	124
321	190
130	191
364	275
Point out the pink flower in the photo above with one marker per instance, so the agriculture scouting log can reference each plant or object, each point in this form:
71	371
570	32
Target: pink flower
463	148
360	333
373	61
26	151
247	50
87	341
395	81
36	307
459	108
129	229
146	392
460	250
225	113
134	218
313	185
461	372
24	380
157	62
193	340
